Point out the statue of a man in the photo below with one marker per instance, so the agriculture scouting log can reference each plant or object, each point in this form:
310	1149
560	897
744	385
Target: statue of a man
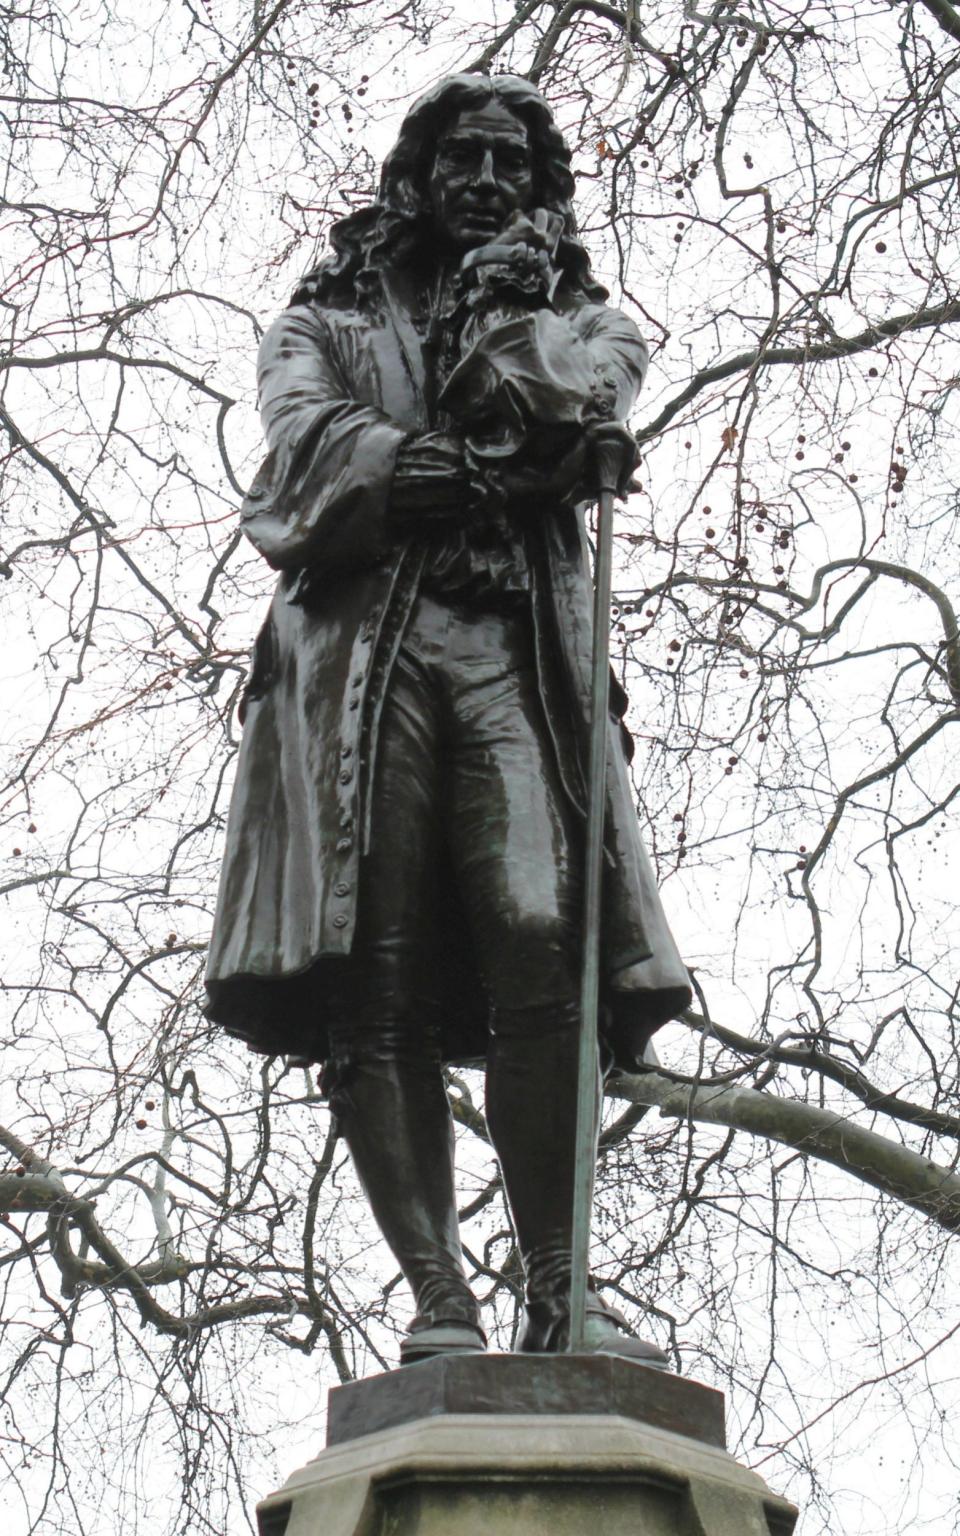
402	882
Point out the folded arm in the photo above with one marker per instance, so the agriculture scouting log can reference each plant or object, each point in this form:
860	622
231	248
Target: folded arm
322	496
535	389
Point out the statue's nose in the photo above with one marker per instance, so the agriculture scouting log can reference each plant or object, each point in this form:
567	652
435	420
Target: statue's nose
485	177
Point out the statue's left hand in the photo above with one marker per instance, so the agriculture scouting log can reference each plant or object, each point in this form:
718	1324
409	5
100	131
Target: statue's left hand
566	477
523	485
612	444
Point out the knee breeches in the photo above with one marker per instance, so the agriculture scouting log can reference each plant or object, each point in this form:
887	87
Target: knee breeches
467	783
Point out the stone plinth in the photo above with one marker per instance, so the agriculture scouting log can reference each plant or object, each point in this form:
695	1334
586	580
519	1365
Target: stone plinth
521	1384
501	1445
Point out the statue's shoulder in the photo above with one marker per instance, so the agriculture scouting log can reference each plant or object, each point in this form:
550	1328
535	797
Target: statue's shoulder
307	319
309	325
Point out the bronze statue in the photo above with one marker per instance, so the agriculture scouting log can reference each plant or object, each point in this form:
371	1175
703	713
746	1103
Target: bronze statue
402	881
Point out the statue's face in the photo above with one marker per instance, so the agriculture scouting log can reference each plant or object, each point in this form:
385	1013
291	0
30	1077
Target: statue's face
482	172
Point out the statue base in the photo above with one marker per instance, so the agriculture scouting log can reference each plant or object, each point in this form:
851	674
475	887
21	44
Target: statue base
548	1445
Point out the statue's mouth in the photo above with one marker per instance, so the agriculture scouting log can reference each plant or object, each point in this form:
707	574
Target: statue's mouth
489	220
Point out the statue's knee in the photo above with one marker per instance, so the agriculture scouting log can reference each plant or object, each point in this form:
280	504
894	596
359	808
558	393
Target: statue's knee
552	1023
371	1049
534	965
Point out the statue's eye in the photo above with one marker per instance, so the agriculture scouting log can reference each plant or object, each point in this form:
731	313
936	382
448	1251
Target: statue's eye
512	159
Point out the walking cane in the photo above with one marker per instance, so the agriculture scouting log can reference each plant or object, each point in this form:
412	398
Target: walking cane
608	463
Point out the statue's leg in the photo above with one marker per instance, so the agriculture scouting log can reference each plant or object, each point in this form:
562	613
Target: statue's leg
385	1072
531	1112
531	1100
395	1119
517	847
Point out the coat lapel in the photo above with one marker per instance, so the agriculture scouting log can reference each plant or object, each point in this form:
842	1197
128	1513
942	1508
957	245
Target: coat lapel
411	350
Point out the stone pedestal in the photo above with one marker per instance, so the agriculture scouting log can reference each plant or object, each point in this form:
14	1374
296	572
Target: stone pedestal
504	1445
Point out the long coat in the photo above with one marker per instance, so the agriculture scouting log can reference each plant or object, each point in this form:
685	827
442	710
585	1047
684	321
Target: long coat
340	390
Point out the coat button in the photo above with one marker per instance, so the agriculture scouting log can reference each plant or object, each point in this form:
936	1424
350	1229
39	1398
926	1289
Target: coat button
344	845
345	775
358	680
341	920
346	751
341	888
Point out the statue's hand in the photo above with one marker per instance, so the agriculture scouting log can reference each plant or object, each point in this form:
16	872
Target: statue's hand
602	456
539	229
611	457
522	257
431	480
523	484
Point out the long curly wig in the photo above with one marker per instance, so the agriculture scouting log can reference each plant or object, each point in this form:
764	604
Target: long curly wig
393	230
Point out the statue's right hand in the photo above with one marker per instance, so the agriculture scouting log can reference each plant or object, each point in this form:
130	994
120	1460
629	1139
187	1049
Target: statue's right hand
431	479
538	230
524	251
